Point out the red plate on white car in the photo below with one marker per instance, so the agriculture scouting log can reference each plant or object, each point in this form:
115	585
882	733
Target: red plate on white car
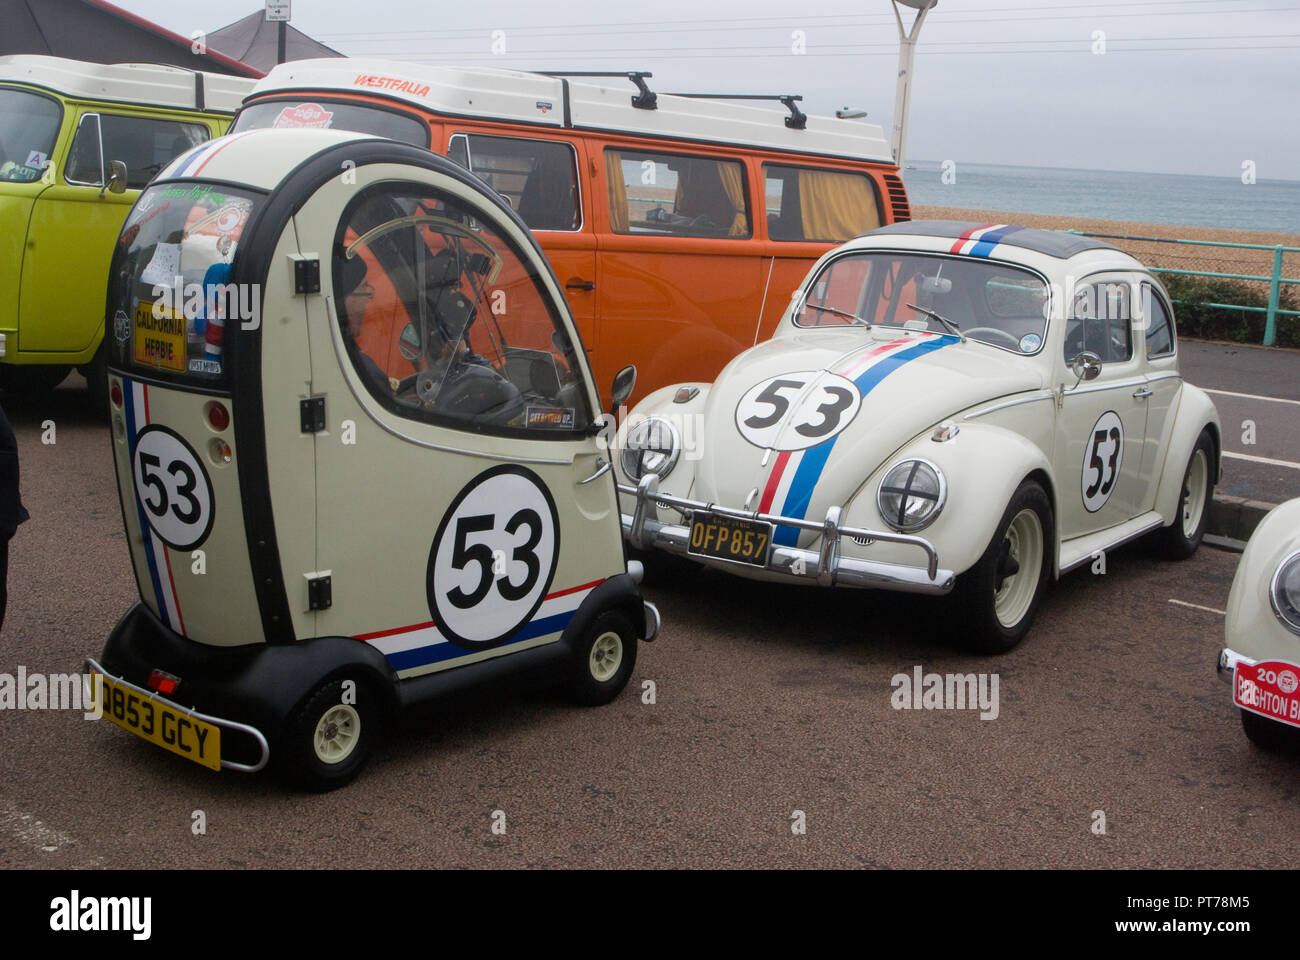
1270	688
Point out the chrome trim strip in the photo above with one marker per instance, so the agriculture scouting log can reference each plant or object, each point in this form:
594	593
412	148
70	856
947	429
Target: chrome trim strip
604	467
1158	522
1101	387
1043	395
95	667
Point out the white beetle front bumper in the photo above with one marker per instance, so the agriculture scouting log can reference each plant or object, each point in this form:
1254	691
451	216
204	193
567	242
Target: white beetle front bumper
826	567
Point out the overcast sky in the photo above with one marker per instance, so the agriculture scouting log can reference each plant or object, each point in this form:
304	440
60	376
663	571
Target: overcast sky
1183	86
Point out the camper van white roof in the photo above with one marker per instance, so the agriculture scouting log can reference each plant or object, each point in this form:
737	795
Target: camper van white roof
553	101
143	83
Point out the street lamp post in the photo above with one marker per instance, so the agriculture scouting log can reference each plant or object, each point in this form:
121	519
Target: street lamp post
906	48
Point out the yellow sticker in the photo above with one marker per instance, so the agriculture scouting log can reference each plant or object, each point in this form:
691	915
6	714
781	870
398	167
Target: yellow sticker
160	340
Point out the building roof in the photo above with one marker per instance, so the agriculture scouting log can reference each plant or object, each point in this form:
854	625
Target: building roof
556	101
145	83
99	31
256	41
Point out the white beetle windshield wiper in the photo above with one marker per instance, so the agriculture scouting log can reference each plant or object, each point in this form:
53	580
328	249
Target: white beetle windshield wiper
956	332
839	313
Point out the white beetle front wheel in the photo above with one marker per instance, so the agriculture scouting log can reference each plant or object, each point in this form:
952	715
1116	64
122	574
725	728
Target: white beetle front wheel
997	597
1023	553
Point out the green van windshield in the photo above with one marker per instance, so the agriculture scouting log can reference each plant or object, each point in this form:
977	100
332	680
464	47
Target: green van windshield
29	125
171	302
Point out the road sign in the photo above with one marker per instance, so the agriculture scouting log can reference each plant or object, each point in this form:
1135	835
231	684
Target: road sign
277	10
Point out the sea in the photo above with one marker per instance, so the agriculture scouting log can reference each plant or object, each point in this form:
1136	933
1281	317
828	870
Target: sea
1197	201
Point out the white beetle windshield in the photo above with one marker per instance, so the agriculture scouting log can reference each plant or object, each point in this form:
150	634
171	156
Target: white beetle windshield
996	303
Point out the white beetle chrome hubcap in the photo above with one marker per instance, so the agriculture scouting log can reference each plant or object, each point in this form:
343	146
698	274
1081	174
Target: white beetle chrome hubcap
1024	540
606	656
337	733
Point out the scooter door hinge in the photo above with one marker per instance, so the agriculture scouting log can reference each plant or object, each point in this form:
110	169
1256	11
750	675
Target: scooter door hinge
306	274
320	594
312	414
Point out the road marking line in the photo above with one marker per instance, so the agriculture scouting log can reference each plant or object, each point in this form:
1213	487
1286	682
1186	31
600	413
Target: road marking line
1251	396
1197	606
1269	460
31	831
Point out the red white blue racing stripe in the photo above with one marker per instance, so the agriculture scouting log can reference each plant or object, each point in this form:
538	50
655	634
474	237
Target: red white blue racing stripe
795	473
980	241
192	162
423	643
135	398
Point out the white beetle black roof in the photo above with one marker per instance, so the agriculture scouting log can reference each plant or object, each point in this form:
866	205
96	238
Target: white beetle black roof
1053	243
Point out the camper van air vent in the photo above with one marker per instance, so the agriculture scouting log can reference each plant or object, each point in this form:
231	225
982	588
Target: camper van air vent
798	120
898	198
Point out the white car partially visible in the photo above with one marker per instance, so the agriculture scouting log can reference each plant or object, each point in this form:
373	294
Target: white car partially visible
1261	653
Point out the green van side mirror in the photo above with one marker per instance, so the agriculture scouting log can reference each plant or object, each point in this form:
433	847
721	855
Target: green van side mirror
117	178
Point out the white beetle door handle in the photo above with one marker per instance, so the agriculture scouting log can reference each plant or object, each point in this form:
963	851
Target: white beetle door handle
1142	393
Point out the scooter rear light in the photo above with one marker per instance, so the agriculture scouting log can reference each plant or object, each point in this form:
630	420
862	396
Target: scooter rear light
218	416
163	682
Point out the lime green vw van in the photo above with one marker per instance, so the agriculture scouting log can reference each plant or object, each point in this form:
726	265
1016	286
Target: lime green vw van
359	453
77	143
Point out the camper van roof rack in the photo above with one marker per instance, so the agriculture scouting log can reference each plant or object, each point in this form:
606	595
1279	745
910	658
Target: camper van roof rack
645	99
797	120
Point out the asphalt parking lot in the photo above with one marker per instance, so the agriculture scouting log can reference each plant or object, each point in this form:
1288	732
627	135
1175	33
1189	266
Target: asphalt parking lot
772	707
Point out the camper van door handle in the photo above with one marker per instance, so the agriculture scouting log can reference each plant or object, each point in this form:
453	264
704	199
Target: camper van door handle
577	283
602	467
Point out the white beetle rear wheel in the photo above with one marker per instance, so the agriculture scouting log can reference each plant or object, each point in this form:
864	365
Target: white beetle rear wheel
1012	600
1195	488
337	733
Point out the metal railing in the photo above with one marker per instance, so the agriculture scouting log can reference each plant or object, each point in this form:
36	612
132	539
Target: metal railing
1274	278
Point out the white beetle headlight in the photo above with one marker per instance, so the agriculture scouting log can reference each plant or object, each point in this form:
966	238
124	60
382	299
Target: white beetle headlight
1285	592
652	446
911	495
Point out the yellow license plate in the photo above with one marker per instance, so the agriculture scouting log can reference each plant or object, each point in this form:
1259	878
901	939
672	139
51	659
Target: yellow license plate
158	722
160	341
725	538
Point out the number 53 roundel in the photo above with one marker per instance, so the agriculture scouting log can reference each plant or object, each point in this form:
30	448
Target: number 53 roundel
1103	455
172	488
493	558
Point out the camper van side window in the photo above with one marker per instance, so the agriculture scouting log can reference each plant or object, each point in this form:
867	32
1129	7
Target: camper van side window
684	196
538	178
818	205
144	144
445	320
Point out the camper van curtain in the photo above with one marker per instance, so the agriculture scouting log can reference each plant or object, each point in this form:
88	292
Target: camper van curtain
734	185
836	206
618	220
716	189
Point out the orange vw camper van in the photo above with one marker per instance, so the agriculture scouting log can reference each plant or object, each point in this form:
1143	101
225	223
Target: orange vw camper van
680	224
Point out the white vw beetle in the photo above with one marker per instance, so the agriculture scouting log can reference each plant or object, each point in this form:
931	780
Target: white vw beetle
1261	654
944	407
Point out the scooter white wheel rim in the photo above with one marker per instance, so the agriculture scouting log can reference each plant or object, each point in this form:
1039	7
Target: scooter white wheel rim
337	733
606	656
1011	601
1195	488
